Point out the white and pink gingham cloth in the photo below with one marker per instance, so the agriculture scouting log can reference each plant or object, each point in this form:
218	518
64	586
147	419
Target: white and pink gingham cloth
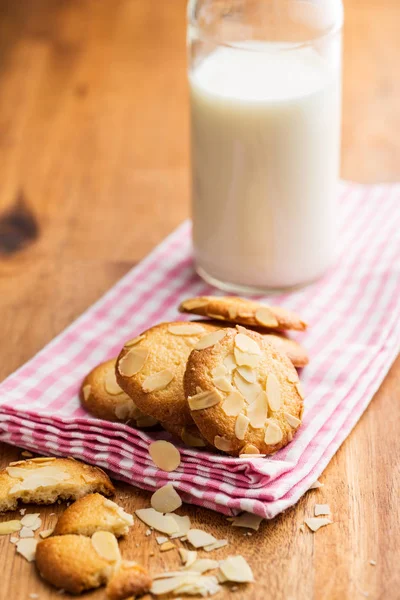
354	338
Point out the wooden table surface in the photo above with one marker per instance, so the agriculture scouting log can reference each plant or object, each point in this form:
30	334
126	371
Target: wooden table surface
94	172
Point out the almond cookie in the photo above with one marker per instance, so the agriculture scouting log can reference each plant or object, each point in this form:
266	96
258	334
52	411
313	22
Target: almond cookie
102	396
150	370
45	480
94	513
244	312
295	352
244	395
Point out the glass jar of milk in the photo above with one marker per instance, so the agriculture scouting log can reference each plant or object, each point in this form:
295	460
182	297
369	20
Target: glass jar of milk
265	84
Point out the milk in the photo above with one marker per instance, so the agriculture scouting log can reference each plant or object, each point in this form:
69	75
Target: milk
265	161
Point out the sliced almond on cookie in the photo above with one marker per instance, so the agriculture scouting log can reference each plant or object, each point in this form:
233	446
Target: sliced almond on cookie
241	426
246	359
186	329
249	391
134	341
222	443
257	412
106	545
210	340
292	420
133	361
110	384
273	433
265	317
246	344
273	390
158	381
204	400
233	404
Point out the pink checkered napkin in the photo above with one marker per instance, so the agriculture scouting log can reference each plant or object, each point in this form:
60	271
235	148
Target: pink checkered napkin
354	338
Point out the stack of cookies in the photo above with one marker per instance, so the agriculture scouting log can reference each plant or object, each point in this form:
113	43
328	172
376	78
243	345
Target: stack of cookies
227	381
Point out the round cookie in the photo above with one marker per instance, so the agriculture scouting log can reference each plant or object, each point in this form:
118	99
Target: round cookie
244	312
150	370
101	395
245	396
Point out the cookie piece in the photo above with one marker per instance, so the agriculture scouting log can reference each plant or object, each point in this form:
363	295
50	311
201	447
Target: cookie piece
129	580
244	312
94	513
243	393
295	352
150	369
73	563
45	480
101	395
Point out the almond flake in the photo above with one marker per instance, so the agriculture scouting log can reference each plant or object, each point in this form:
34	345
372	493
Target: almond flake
46	533
164	455
158	381
183	524
199	538
188	557
110	384
250	449
314	524
222	443
27	548
219	371
126	410
232	312
300	390
247	373
273	390
234	404
292	420
42	459
106	545
236	568
230	363
133	361
202	565
210	340
248	520
186	329
204	400
161	539
273	433
169	584
152	518
216	545
86	391
241	426
249	390
167	546
316	485
166	499
321	509
215	316
246	359
26	532
31	520
222	383
257	412
372	562
13	539
193	303
27	454
265	317
293	377
192	440
246	344
134	341
8	527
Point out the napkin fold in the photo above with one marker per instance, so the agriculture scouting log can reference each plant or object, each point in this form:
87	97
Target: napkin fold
354	312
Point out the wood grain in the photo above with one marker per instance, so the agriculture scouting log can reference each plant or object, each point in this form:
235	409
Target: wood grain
94	172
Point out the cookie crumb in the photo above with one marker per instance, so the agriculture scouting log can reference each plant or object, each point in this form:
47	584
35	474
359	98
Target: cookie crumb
316	485
372	562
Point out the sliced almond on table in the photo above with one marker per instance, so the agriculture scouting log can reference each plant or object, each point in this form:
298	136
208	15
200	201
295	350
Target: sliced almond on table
246	359
186	329
14	539
164	455
166	499
31	520
185	583
152	518
273	433
273	390
250	391
321	509
210	340
233	404
204	400
161	539
188	557
199	538
222	443
46	533
292	420
133	361
167	546
11	526
246	344
86	391
157	381
257	412
236	568
202	565
248	520
241	426
26	532
183	524
106	545
110	384
27	548
216	545
315	523
222	383
265	317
